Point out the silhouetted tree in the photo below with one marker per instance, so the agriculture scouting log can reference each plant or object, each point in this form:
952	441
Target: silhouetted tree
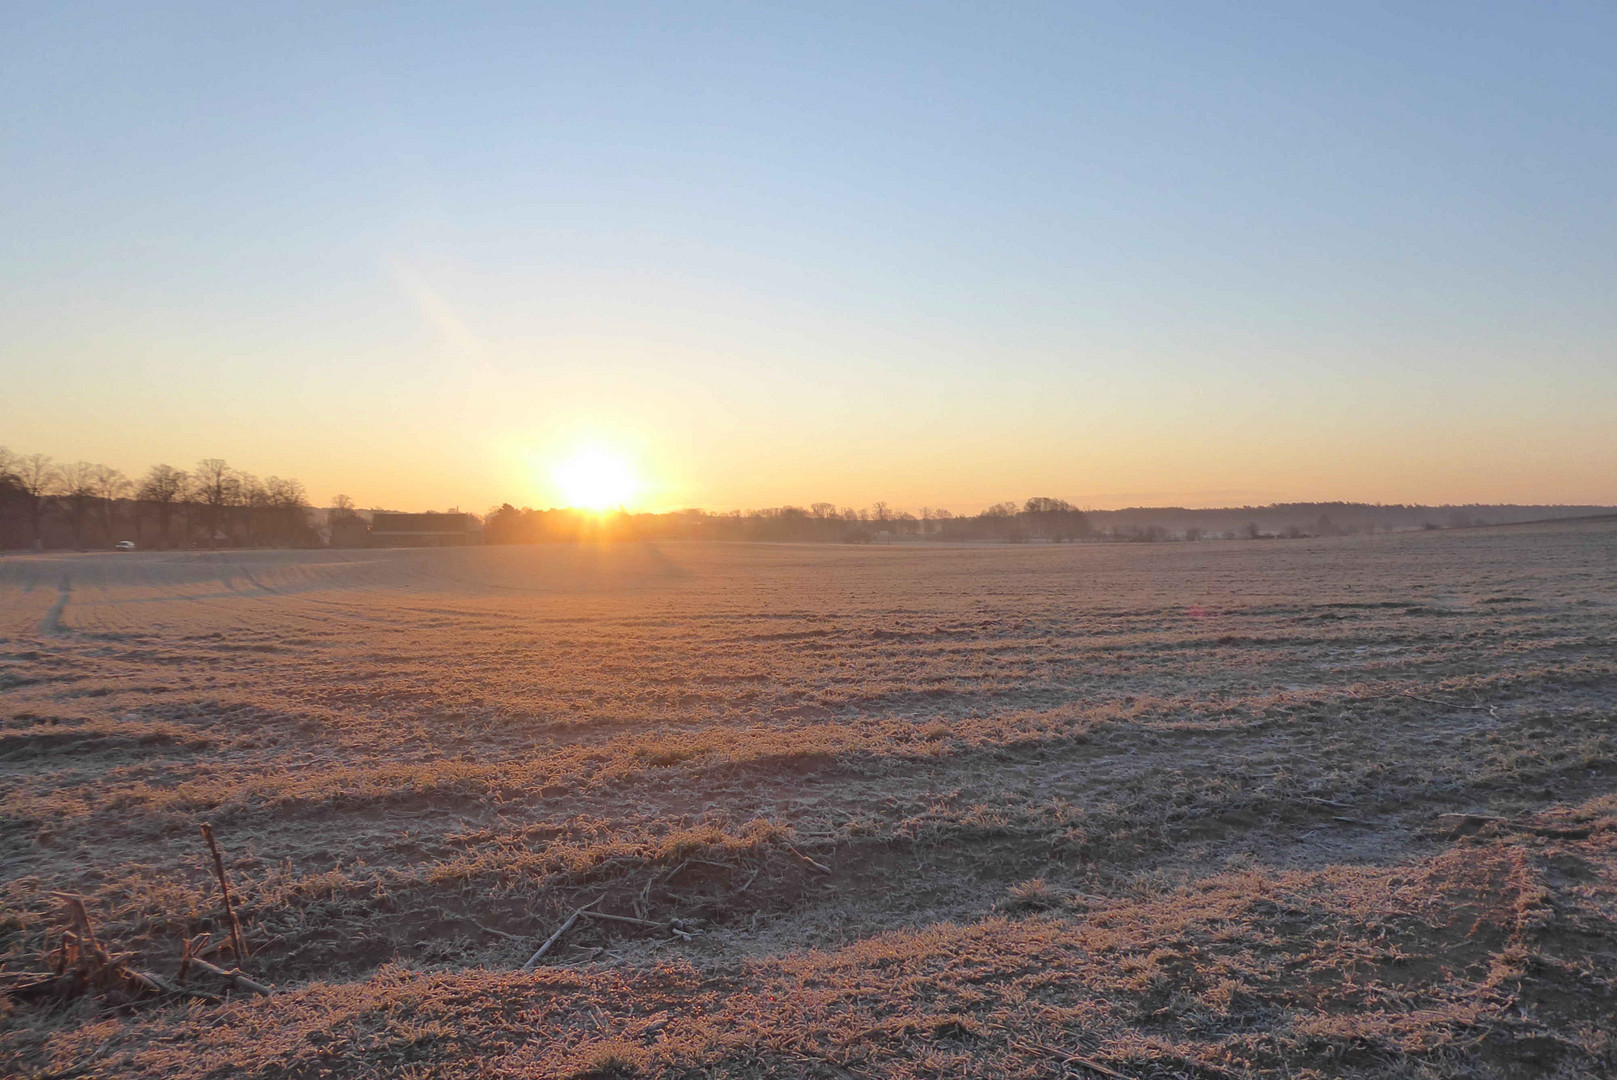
161	488
78	493
110	486
504	525
251	506
1055	519
36	477
11	493
288	509
216	487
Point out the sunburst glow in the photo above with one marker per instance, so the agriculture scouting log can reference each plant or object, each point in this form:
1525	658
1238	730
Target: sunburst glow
596	479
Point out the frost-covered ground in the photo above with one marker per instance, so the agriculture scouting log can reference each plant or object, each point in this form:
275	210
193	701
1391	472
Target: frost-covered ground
1172	810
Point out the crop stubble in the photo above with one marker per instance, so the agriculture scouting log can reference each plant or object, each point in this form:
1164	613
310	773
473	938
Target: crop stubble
1167	809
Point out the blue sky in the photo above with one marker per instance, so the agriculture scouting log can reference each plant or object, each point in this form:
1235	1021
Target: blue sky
929	254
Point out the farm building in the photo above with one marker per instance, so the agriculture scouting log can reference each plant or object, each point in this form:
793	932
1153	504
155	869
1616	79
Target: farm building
424	530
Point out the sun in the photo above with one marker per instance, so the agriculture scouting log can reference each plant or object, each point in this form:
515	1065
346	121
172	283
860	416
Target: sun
596	479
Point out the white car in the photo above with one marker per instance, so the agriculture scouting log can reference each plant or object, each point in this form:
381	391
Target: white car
124	545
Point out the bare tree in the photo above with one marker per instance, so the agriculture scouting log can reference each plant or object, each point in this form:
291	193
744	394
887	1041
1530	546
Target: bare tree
216	487
110	486
37	476
1056	519
252	504
288	505
162	487
78	493
342	508
10	490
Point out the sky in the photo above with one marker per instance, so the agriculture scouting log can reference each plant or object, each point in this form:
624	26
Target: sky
937	255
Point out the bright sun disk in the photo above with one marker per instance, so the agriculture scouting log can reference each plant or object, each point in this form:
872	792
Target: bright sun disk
596	479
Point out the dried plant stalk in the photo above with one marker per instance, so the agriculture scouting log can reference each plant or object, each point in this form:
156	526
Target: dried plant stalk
224	890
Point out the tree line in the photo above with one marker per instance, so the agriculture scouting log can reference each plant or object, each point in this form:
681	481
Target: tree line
84	504
1044	519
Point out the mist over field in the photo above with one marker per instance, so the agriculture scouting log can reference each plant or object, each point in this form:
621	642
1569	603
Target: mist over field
1336	807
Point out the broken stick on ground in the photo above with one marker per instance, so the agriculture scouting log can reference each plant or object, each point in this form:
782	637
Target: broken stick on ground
553	938
234	978
820	866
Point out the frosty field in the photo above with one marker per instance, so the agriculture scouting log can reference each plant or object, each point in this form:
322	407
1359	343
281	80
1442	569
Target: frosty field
1336	807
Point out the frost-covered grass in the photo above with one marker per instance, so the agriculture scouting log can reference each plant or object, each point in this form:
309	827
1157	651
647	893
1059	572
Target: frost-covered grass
924	812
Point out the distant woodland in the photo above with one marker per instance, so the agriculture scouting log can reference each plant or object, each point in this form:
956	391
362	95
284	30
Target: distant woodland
82	505
1037	520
